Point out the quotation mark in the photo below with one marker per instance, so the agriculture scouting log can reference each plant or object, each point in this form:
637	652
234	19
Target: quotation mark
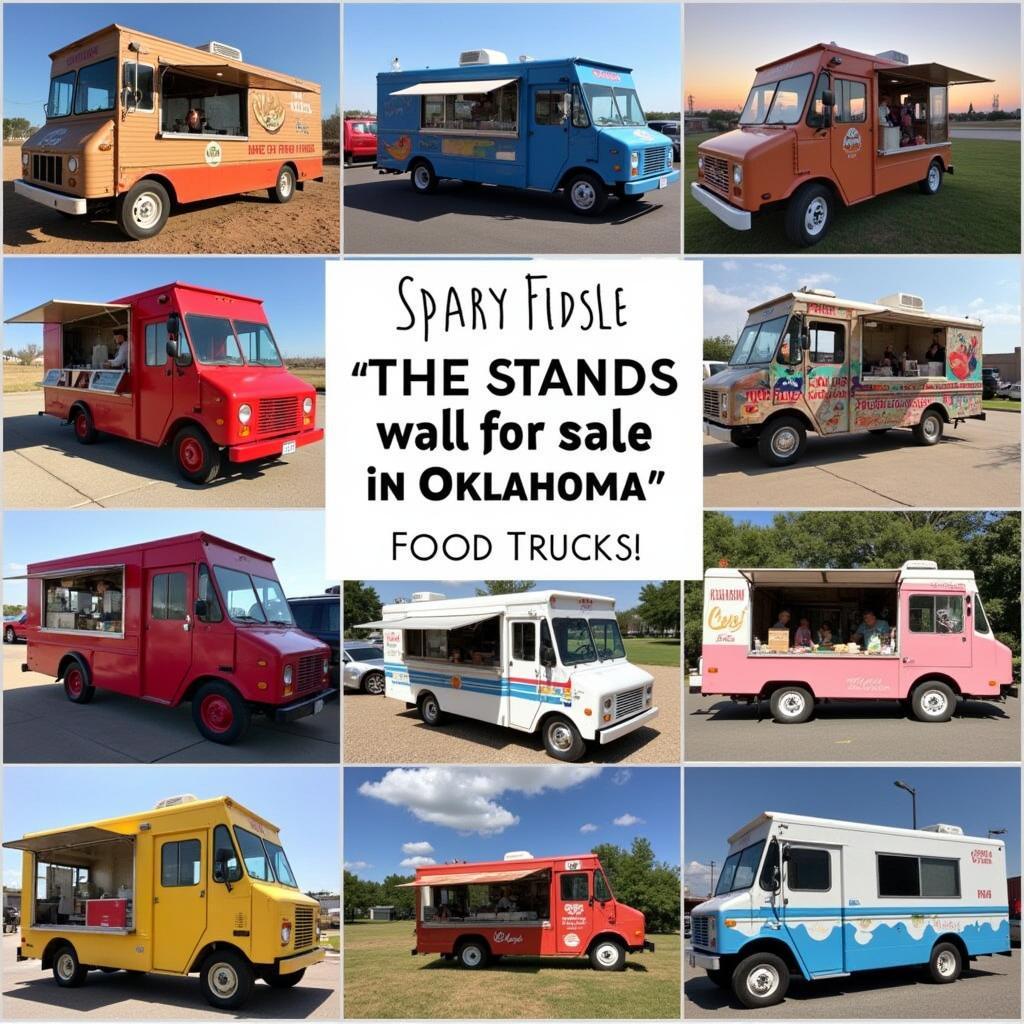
360	369
656	476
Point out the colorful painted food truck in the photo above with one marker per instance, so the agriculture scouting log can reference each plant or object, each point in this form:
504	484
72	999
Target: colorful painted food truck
190	618
808	362
546	661
817	898
571	124
189	887
917	634
829	127
200	373
525	906
140	124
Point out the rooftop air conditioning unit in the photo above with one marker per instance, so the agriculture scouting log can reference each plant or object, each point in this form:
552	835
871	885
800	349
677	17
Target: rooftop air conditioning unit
946	830
519	855
470	57
824	292
920	563
902	300
426	595
175	801
895	56
221	50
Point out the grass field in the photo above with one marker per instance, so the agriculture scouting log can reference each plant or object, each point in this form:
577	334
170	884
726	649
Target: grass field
1000	405
383	980
977	210
648	651
332	940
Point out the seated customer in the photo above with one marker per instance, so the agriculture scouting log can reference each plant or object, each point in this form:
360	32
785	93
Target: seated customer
802	637
825	635
936	353
871	626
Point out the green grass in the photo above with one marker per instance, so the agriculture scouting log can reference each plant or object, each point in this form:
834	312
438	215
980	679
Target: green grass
977	210
332	940
383	980
21	378
649	651
1000	405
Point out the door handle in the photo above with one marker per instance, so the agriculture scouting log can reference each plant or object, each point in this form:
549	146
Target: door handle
187	624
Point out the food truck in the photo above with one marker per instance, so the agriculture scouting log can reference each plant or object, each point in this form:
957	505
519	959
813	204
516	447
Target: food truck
189	887
200	373
524	906
139	124
818	898
808	361
546	660
829	127
917	634
570	124
190	618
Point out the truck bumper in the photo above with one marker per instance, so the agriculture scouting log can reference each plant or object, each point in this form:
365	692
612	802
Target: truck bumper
729	215
648	945
21	956
694	682
719	433
705	960
638	188
52	200
299	962
305	707
614	732
269	449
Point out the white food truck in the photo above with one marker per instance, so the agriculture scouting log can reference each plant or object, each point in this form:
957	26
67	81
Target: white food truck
543	660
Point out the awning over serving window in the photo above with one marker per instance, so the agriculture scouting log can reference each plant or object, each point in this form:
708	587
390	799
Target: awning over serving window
428	622
87	835
472	878
933	74
821	577
243	78
58	571
453	88
67	311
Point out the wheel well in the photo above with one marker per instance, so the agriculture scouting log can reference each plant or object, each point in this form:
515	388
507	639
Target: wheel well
550	714
172	431
827	182
934	676
74	656
190	691
776	946
795	413
51	948
940	409
216	947
577	170
606	937
416	161
166	182
291	164
77	404
954	940
777	684
463	939
938	159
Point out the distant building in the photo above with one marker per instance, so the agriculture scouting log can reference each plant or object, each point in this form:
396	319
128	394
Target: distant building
382	913
696	123
328	901
12	899
1007	363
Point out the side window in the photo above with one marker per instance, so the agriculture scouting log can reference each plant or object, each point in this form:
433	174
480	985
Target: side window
574	887
898	876
816	111
208	594
156	344
524	641
580	119
547	647
180	863
940	878
809	870
939	613
549	106
305	615
333	623
770	866
980	618
169	594
144	100
226	866
601	890
851	102
828	344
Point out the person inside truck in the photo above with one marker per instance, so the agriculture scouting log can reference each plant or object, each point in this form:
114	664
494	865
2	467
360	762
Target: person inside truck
825	638
936	353
506	902
802	637
120	360
195	122
869	627
885	114
783	621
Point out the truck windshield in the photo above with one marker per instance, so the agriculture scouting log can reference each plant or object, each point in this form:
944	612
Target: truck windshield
97	87
265	861
365	127
611	106
252	598
607	639
578	645
777	102
62	91
258	345
213	340
758	342
275	605
740	869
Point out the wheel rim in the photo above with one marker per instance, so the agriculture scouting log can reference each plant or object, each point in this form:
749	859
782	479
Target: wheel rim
607	954
471	956
584	195
66	966
560	737
422	177
815	216
934	703
223	980
284	184
945	964
216	713
375	685
933	178
75	682
792	704
190	454
81	425
930	427
762	981
10	636
147	209
430	710
785	442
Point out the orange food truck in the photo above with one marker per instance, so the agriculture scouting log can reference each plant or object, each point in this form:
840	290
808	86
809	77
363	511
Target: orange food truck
140	124
826	127
198	371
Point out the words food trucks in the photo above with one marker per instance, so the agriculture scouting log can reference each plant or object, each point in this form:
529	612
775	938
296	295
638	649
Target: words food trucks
139	123
190	618
545	661
190	887
570	124
826	127
811	362
825	899
929	643
525	906
200	373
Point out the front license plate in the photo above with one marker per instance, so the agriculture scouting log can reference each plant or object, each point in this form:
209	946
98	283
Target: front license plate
663	183
289	448
318	707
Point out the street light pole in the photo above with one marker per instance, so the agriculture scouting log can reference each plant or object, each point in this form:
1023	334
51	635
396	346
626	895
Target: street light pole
996	832
913	798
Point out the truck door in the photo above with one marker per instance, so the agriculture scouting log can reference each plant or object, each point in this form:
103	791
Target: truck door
574	910
852	139
934	630
179	899
827	388
528	682
165	387
548	134
167	633
812	905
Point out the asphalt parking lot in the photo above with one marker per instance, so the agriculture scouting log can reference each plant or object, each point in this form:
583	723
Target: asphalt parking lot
382	214
45	467
977	465
716	729
988	988
30	993
41	726
379	730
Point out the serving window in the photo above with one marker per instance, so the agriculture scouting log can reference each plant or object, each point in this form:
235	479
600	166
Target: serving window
494	111
90	886
902	349
221	108
523	901
91	358
88	602
477	644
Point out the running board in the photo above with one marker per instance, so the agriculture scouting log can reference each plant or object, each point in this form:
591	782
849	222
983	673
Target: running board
833	974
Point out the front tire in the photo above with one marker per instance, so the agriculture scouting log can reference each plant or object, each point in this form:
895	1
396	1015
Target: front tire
68	972
430	710
782	441
423	178
586	194
196	457
84	426
78	687
928	430
219	713
562	740
472	955
945	963
607	955
284	980
809	214
760	980
932	181
226	979
284	187
791	705
373	683
9	635
142	211
933	701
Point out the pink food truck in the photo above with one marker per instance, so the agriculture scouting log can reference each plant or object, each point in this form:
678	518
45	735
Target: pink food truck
793	637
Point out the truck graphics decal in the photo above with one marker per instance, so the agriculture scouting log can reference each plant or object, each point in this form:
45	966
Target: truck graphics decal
545	692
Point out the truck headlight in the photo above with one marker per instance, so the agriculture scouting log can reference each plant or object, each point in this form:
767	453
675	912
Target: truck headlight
307	405
700	164
287	676
72	164
327	665
712	932
286	932
737	174
244	414
607	703
634	160
24	159
724	403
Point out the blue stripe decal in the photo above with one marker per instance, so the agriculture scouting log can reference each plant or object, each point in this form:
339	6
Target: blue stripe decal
857	912
488	687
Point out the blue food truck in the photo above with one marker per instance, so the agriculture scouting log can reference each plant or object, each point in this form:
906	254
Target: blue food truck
569	124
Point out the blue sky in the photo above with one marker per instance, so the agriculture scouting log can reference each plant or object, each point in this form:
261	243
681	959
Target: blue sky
626	594
644	37
987	289
719	801
481	813
296	39
292	289
302	802
38	536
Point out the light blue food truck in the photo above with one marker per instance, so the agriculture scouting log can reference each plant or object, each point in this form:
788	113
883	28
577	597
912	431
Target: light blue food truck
569	124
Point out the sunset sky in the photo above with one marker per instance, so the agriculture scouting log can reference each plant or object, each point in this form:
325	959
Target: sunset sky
983	39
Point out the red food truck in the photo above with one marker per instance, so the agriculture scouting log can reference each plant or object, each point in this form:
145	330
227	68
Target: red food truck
525	906
190	618
182	366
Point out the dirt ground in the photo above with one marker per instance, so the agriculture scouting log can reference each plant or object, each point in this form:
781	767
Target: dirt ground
250	224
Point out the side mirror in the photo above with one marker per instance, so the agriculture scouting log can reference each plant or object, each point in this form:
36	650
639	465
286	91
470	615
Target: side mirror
130	99
547	657
173	326
805	341
202	608
172	348
828	99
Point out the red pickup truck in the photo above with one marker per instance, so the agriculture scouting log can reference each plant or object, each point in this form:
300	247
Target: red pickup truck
359	140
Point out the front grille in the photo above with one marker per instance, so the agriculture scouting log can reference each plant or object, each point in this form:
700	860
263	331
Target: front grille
48	168
310	675
712	403
303	927
716	173
629	702
656	159
699	931
277	415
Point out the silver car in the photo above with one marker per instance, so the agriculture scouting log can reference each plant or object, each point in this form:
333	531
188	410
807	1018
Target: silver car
362	667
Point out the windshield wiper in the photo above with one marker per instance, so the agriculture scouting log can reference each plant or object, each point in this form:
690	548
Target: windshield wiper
248	618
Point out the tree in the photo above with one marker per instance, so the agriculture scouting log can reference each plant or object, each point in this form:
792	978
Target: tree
719	348
13	609
357	896
496	587
26	355
360	604
640	881
17	127
659	605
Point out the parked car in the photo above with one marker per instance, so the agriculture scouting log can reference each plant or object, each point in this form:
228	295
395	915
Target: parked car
713	366
320	617
14	628
1010	391
364	667
991	382
359	141
671	129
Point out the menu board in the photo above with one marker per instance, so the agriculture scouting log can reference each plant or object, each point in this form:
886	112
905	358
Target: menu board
51	379
106	380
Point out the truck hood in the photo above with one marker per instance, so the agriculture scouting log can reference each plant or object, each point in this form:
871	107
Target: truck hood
733	901
277	893
751	375
69	137
741	143
286	641
639	137
248	383
610	676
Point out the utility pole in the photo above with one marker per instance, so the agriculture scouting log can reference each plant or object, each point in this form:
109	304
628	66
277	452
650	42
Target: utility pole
913	798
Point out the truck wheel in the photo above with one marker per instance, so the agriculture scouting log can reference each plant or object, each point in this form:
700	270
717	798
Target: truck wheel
472	954
586	194
430	710
742	439
197	459
85	428
423	178
562	740
226	979
933	701
373	683
809	214
782	442
760	980
77	687
284	187
791	705
720	977
142	211
275	980
9	635
945	963
932	181
928	430
607	955
219	712
67	971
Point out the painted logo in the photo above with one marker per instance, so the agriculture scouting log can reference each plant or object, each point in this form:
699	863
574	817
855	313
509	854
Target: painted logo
643	135
981	856
851	142
212	153
508	938
400	149
608	76
572	909
788	389
572	940
456	683
53	138
269	110
572	865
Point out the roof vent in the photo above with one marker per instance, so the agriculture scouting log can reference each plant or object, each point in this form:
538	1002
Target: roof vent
902	300
895	56
470	57
422	596
525	58
175	801
221	50
518	855
946	830
920	563
824	292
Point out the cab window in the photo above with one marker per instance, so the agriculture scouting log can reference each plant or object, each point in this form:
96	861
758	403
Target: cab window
580	118
169	595
816	111
142	101
180	863
601	891
254	855
808	870
97	87
62	93
208	593
574	887
524	641
936	613
549	106
828	344
851	102
226	866
156	344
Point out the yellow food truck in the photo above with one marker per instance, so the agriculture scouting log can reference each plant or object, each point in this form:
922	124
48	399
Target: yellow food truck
189	887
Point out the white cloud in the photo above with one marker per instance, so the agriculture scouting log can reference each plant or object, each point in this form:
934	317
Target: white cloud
416	862
588	827
622	776
417	848
356	865
730	265
718	301
697	878
990	314
774	268
466	799
16	568
815	280
625	820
